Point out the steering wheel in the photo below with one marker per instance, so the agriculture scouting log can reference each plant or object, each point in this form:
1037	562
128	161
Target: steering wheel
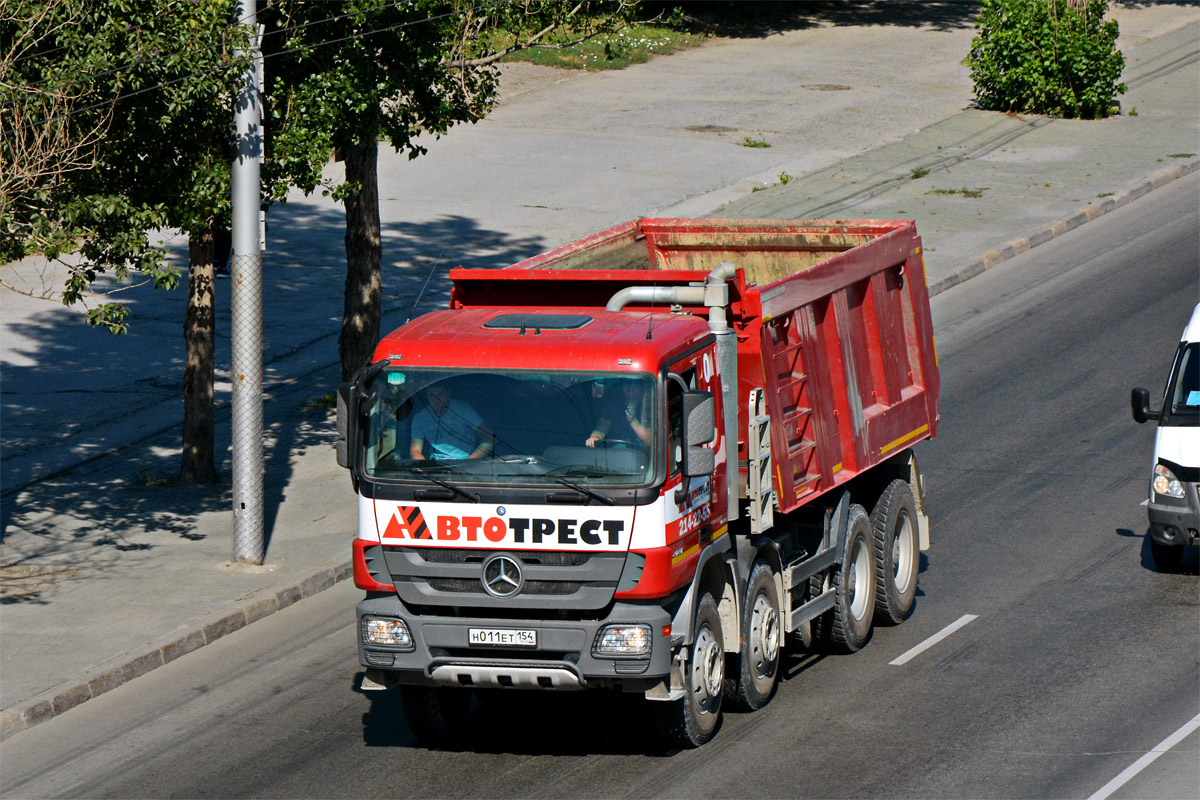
516	459
621	444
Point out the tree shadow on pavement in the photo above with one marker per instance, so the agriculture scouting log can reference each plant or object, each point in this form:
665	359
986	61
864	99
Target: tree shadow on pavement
123	503
757	20
85	524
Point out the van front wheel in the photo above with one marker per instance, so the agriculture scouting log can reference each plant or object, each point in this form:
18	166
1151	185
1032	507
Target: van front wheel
1167	558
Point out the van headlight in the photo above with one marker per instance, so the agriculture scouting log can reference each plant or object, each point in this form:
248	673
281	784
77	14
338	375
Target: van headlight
1165	482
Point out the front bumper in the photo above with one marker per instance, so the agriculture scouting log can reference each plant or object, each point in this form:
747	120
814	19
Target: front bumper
563	659
1176	521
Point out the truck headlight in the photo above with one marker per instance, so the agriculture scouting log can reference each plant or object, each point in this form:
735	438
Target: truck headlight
623	640
386	632
1165	482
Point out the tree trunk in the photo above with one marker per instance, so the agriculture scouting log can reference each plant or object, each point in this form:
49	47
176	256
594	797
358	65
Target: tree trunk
199	332
364	286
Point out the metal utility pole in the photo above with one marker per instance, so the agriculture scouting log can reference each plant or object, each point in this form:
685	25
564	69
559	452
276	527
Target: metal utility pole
246	305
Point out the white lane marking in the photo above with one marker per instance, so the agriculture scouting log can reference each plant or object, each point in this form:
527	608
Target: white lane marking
1145	502
1146	760
932	640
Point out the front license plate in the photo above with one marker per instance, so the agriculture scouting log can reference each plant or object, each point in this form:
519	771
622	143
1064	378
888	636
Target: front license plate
502	637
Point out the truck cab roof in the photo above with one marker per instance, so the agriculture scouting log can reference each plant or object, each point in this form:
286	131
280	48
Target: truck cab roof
523	338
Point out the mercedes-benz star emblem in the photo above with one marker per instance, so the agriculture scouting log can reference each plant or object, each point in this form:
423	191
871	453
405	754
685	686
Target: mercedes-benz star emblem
502	576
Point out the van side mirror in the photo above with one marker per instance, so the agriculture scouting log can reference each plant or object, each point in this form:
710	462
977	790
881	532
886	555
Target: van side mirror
1139	402
699	428
347	414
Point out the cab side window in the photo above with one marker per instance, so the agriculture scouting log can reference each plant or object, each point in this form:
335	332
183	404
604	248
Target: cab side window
675	420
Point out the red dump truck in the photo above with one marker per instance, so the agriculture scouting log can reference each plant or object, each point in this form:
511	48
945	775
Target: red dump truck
645	462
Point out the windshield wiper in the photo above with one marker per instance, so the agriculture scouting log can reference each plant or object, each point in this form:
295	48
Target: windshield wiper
583	490
474	498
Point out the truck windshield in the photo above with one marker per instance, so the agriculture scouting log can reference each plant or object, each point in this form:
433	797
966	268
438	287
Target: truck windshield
511	427
1182	406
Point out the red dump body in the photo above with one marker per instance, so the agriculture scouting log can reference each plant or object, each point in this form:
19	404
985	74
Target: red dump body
831	318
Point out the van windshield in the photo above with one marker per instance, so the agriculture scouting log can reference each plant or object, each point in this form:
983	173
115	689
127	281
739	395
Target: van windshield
1182	406
511	427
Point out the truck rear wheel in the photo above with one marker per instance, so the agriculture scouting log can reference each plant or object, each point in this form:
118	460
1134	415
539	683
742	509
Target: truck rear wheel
692	720
435	714
847	626
897	553
753	682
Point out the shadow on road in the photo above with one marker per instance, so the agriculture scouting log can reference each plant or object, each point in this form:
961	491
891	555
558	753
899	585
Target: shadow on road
529	723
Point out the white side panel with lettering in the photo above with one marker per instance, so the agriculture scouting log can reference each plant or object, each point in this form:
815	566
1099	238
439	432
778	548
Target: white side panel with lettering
517	527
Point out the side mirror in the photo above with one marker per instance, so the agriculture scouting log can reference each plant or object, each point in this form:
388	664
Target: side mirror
347	414
699	428
1139	402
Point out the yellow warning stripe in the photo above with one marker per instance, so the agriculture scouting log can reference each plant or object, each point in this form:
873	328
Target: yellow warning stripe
691	551
906	437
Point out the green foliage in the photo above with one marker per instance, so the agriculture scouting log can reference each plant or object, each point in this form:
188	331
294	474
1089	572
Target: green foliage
327	401
965	192
751	142
784	179
918	172
349	72
114	121
633	45
1055	57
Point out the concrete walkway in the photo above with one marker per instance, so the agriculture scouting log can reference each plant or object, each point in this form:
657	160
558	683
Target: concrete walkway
107	570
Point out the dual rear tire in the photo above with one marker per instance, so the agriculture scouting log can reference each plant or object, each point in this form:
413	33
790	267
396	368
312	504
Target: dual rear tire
897	553
846	628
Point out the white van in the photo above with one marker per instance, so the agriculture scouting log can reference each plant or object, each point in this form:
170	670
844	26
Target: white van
1174	505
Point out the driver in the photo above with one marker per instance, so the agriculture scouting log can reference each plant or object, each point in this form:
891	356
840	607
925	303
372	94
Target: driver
626	417
451	428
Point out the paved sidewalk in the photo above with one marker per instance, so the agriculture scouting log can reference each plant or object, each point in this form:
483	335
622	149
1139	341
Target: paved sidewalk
106	574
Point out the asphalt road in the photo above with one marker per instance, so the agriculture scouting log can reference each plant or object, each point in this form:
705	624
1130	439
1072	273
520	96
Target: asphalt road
1079	658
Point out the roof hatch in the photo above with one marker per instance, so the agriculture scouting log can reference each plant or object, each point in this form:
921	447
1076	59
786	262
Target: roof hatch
545	322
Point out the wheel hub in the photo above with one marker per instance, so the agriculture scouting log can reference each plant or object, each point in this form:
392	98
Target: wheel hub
764	633
708	671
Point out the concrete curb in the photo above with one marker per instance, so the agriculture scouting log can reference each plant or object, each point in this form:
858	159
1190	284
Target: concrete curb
124	668
1059	227
204	631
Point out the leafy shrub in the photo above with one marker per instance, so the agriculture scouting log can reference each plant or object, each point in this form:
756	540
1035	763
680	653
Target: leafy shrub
1055	57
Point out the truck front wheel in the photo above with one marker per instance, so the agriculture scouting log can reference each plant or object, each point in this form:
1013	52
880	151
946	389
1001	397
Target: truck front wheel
753	681
897	553
435	714
692	720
